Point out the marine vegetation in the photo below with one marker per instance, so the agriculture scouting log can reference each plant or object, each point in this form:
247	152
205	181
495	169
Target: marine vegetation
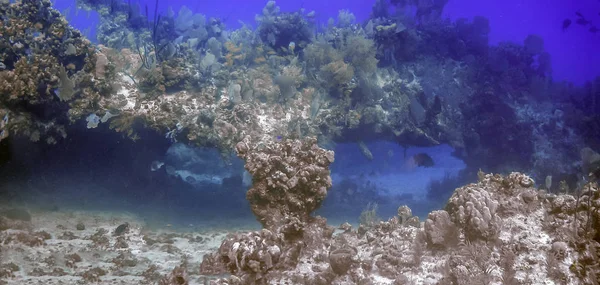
416	81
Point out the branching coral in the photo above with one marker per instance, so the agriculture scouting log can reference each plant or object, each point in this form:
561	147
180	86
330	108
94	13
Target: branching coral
360	52
24	81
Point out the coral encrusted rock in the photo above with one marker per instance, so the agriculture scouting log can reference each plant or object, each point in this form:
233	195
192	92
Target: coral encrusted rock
290	179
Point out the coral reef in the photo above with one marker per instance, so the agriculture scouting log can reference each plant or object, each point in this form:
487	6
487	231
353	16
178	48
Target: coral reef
416	81
279	30
498	230
46	66
266	93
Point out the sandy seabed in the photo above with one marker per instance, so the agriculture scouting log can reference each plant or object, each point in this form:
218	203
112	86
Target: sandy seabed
83	247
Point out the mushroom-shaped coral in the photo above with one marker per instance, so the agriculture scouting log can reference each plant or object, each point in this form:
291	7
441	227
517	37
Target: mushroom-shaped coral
290	179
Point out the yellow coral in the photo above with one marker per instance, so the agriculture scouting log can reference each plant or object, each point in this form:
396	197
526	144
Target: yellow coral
234	52
337	72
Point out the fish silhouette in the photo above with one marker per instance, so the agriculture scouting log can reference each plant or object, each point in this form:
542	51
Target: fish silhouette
566	24
423	159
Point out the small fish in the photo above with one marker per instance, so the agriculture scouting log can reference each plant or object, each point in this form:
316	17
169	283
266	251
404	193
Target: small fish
593	29
590	163
595	174
423	159
579	14
582	21
190	180
566	24
121	229
17	214
156	165
593	169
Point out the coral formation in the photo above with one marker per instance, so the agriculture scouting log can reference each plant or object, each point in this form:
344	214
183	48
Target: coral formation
422	81
498	230
45	66
290	180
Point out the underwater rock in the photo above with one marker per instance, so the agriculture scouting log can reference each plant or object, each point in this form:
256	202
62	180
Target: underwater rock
291	178
178	276
344	59
341	260
80	227
7	270
404	213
